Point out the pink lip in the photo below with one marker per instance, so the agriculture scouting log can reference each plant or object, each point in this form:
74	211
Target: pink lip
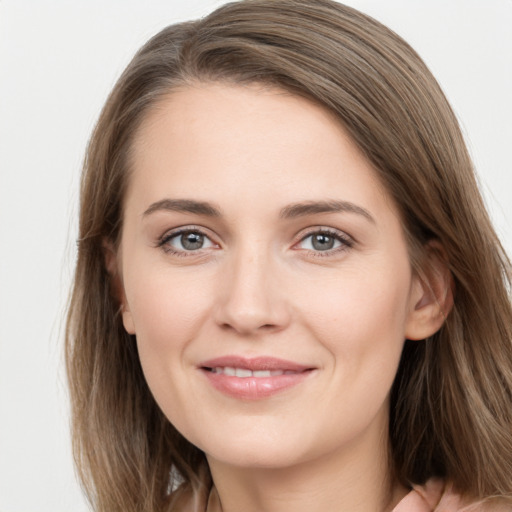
254	388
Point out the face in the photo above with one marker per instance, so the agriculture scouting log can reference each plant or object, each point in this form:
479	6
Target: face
265	275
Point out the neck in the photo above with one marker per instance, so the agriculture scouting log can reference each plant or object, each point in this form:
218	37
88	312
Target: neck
354	479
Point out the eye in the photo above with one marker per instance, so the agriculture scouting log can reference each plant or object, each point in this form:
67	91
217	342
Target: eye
189	240
326	241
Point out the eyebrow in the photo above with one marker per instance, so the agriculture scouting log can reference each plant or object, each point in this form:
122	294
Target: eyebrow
291	211
314	207
184	205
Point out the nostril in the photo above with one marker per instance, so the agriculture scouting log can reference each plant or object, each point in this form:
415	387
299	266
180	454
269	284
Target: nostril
248	329
251	313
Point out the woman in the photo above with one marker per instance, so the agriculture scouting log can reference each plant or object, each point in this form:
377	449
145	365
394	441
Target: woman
288	293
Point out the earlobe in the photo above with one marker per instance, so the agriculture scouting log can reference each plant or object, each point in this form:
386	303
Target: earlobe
431	295
116	285
128	321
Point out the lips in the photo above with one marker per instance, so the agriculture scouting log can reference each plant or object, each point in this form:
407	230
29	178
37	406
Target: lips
245	373
253	379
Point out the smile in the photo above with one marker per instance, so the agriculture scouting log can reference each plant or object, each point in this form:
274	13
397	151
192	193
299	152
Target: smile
245	373
253	379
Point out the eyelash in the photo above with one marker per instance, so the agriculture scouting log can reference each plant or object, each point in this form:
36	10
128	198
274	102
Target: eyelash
164	240
346	242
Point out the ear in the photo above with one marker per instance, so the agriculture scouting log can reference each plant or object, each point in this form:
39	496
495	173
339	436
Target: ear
431	294
113	264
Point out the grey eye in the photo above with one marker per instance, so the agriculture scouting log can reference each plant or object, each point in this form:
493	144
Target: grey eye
188	241
320	242
192	241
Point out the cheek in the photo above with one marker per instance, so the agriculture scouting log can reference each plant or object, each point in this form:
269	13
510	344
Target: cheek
169	309
166	314
360	323
166	303
361	317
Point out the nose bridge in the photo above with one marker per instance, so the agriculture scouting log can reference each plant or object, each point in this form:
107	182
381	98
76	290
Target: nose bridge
251	298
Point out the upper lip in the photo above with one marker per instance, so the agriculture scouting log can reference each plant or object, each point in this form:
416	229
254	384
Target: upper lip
255	363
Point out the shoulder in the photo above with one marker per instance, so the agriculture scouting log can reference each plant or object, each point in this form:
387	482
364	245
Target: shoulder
438	496
451	500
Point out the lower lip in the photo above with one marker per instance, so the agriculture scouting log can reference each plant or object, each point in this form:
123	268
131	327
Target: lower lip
254	388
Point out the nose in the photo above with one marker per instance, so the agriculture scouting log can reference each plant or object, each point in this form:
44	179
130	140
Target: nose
252	298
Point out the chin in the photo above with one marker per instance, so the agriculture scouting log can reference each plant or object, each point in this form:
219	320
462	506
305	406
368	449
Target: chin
260	452
256	459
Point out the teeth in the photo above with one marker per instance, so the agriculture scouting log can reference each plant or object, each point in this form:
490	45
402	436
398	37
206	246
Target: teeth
244	372
240	372
261	373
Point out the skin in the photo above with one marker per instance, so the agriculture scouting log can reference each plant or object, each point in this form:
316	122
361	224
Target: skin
258	287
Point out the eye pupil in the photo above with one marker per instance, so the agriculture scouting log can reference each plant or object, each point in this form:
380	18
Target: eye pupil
191	241
322	242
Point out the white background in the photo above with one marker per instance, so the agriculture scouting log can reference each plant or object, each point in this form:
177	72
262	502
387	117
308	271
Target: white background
58	60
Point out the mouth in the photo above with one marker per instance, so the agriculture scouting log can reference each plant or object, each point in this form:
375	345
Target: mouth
244	373
253	379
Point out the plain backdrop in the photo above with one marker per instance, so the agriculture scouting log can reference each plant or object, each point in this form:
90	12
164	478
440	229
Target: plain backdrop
58	60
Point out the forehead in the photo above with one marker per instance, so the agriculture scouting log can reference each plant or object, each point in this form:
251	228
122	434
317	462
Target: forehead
253	115
217	139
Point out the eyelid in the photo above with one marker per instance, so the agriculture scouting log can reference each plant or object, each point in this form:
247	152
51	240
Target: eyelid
168	235
346	240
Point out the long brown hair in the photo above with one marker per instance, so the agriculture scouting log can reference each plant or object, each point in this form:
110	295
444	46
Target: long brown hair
451	403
